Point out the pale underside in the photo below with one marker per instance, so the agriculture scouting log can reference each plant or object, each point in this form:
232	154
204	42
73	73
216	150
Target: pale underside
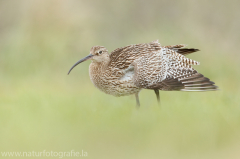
148	66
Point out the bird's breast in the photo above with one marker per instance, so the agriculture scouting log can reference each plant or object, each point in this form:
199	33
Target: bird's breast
113	81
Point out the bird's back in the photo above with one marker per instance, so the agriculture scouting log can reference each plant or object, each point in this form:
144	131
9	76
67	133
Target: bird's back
122	57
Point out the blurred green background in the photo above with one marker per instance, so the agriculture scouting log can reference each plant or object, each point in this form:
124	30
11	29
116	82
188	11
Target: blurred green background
41	108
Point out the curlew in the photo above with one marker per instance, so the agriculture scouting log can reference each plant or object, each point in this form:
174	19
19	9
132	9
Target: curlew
128	70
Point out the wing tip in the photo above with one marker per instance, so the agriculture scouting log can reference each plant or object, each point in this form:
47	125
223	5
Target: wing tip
198	90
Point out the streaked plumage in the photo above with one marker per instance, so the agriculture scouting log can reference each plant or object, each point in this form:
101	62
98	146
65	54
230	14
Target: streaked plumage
129	69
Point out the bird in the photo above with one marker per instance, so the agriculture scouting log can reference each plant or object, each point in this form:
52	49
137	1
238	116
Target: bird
130	69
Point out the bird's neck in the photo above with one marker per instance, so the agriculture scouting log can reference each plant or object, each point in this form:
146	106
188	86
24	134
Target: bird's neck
97	68
97	74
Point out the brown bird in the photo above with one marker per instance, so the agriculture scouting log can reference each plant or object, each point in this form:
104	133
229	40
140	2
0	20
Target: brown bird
128	70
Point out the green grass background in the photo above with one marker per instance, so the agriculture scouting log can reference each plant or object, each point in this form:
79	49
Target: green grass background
42	108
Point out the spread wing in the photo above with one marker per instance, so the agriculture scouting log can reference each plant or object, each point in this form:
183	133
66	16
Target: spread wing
154	67
122	57
169	70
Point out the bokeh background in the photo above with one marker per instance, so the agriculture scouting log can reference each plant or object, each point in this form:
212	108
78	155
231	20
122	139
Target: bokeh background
42	108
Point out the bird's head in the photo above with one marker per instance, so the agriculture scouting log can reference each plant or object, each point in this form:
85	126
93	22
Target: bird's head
97	54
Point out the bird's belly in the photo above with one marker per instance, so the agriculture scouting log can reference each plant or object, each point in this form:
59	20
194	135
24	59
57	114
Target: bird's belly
116	87
123	89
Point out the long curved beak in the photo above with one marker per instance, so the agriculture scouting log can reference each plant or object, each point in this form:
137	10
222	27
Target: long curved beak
80	61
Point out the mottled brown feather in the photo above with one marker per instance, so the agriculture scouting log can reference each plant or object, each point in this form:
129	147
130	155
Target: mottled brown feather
129	69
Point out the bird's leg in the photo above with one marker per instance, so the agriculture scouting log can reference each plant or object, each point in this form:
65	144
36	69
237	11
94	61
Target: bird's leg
157	94
137	100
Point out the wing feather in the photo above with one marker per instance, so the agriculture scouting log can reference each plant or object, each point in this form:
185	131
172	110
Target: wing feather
122	57
168	70
154	67
181	49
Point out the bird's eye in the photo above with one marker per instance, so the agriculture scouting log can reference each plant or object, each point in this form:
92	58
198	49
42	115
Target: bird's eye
100	52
